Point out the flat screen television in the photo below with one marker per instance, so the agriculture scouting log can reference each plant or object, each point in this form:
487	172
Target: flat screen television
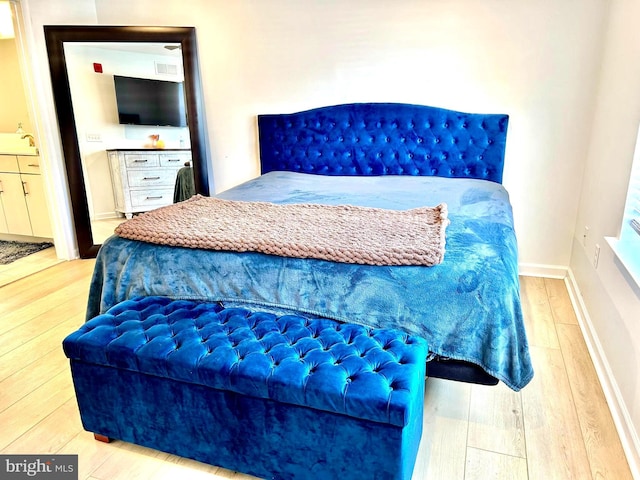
142	101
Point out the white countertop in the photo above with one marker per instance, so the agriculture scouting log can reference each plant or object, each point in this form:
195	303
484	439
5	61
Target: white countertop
30	151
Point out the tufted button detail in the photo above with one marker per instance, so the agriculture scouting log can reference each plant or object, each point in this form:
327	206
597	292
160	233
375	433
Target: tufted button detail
248	354
356	128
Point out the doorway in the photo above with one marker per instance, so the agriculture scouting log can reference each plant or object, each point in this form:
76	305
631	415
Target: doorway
24	215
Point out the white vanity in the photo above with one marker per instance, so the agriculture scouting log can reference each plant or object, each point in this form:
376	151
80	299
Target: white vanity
23	208
144	179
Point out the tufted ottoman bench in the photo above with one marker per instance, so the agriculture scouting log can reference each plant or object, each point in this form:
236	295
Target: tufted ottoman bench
282	397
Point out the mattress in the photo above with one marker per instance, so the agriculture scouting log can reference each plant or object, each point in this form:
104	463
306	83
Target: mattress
467	308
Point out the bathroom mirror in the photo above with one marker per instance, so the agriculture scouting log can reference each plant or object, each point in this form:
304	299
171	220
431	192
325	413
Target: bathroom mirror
59	39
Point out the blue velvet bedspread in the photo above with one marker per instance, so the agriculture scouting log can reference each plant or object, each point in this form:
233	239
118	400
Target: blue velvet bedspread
468	307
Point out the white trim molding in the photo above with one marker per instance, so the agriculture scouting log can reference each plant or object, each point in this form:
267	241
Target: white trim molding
538	270
621	417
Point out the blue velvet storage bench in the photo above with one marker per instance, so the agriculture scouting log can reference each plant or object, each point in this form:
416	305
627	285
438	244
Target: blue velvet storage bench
275	396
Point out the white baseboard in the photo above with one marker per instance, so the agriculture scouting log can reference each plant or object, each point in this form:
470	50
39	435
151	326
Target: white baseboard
621	417
537	270
106	216
10	237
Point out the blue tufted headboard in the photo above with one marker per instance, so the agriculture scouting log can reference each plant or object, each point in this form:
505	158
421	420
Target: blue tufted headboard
384	139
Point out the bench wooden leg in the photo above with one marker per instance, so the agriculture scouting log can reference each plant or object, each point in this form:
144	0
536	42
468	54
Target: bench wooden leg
101	438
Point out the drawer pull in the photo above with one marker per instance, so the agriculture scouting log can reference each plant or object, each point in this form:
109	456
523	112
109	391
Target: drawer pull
35	165
154	198
143	160
151	178
173	159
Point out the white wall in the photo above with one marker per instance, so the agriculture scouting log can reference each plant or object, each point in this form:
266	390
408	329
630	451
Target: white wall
533	59
611	298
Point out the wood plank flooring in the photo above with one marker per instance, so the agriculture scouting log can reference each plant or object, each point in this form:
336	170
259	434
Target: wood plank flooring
28	265
557	427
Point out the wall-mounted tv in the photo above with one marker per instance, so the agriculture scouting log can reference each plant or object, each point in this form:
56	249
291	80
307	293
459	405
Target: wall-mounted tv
142	101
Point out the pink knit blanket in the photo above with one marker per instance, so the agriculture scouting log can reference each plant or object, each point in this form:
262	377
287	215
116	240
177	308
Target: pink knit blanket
344	233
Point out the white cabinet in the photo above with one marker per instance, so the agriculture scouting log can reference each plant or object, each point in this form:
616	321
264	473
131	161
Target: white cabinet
23	210
144	179
14	206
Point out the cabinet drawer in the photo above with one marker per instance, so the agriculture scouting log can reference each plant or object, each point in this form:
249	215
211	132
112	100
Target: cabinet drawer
151	177
174	159
9	163
141	160
29	164
151	198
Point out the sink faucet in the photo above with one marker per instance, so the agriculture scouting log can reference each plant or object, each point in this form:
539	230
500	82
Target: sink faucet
32	142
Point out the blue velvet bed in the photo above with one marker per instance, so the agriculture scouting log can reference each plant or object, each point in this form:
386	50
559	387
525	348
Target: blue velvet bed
393	156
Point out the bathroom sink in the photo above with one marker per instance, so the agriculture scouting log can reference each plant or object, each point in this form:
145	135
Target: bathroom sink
17	144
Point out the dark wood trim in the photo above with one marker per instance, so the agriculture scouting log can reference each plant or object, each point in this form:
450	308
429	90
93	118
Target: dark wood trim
55	37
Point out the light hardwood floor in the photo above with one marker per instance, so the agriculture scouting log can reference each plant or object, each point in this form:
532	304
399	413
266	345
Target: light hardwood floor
27	265
557	427
103	229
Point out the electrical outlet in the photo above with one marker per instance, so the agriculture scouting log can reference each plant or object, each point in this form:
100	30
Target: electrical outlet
584	235
596	256
93	137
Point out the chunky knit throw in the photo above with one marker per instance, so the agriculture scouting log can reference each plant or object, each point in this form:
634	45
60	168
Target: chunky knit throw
343	233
